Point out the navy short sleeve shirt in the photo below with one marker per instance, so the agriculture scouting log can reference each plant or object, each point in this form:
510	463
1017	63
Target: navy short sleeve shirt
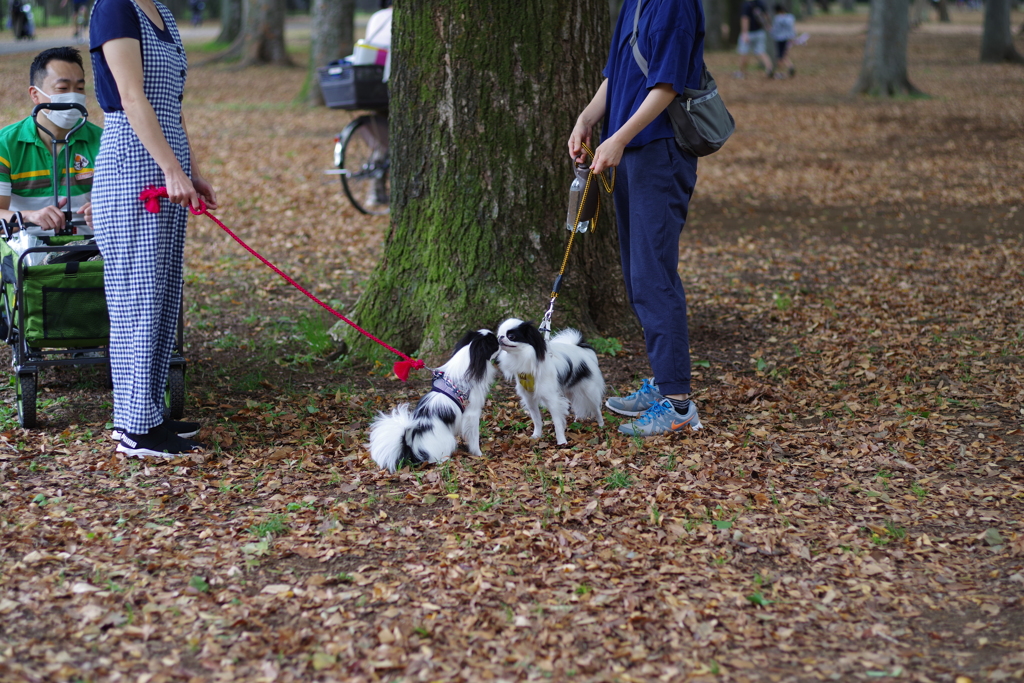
112	19
672	40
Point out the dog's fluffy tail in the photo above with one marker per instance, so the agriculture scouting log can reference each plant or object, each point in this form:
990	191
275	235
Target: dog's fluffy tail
570	336
387	437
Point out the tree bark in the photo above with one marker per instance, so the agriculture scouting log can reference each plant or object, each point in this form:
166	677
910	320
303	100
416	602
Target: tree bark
262	37
884	69
480	175
331	37
713	25
943	9
997	36
231	12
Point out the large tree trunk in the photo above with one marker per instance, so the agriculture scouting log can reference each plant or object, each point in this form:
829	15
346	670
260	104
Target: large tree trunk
480	174
943	9
713	25
230	21
331	36
997	38
264	33
884	70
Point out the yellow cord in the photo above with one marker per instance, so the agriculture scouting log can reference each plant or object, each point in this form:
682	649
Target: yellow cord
579	212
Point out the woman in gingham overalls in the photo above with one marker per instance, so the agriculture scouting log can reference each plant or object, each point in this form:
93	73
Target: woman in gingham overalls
139	68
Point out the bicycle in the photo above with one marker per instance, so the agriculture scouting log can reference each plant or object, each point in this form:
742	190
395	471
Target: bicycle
362	157
361	152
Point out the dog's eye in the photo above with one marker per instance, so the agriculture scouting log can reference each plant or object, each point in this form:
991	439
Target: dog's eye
512	336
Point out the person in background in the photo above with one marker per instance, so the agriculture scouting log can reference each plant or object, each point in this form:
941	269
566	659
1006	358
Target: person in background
139	66
783	33
753	37
197	11
80	16
26	156
378	33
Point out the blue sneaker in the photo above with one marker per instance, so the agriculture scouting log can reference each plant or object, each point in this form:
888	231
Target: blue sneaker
662	418
637	402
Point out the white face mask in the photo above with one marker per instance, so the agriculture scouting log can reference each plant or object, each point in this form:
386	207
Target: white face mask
64	119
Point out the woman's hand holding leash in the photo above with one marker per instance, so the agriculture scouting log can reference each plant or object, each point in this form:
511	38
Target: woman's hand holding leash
205	190
180	189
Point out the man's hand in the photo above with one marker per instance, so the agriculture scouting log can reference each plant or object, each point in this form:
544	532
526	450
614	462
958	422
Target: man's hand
86	211
205	190
48	218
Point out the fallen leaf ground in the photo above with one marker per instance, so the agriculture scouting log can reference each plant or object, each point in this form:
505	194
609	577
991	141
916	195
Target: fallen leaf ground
852	510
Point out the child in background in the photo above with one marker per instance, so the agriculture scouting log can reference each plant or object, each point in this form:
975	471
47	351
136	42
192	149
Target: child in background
783	33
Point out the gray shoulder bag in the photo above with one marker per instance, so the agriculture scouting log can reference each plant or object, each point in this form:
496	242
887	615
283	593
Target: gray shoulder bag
699	118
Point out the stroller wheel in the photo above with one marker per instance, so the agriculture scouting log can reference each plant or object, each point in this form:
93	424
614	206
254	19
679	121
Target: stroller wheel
27	384
175	395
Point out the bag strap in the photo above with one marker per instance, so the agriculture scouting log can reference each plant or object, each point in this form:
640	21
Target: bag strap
640	61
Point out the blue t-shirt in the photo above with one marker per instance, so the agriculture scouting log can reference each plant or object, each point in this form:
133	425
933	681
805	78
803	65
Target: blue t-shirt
671	39
112	19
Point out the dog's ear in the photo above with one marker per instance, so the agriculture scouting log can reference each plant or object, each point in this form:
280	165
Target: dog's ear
480	353
465	341
534	338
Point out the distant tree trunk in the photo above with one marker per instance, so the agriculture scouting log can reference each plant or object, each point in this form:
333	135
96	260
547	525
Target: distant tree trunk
997	38
262	38
848	5
480	175
733	8
331	37
943	9
884	70
713	25
919	12
613	9
230	21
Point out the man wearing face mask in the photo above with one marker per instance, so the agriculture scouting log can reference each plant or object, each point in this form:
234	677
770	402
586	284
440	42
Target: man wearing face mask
26	156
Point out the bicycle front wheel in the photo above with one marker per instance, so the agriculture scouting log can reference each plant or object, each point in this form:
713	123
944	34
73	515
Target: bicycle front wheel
365	164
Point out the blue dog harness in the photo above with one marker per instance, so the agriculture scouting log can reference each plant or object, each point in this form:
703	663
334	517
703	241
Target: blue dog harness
443	385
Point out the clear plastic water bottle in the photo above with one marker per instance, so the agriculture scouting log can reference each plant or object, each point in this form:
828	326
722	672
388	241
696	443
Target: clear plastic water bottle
579	183
575	195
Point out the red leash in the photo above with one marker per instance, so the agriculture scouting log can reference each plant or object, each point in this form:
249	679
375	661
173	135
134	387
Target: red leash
151	197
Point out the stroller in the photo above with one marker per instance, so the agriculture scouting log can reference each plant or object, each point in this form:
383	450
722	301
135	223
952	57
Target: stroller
52	302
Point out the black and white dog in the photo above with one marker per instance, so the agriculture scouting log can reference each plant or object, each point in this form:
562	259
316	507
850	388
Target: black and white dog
559	374
452	408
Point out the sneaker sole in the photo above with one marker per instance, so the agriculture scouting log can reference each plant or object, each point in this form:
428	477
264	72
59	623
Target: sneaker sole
143	453
693	428
116	435
628	413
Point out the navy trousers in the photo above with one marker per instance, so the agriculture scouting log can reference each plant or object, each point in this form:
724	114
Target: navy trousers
652	193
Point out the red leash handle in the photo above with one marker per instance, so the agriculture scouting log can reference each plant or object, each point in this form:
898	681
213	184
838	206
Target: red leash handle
151	197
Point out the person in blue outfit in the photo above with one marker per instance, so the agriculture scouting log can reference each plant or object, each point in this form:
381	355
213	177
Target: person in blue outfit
652	192
139	68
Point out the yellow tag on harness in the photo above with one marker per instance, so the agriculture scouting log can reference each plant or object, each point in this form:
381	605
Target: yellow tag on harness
527	381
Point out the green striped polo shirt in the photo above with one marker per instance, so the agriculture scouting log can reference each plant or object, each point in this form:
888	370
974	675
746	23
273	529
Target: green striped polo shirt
26	166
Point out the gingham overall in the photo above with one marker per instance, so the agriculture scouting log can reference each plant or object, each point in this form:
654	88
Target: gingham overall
142	251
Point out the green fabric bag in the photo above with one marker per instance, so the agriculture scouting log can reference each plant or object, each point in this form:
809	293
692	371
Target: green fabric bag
65	304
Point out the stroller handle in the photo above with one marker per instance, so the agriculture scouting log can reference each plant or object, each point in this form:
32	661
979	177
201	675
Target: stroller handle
61	106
